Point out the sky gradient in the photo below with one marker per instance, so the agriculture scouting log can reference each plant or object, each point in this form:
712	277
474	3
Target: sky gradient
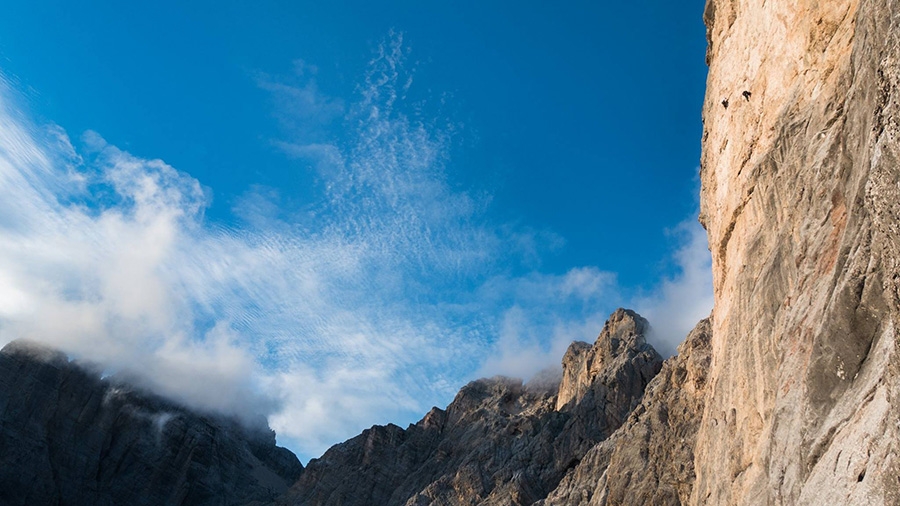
337	215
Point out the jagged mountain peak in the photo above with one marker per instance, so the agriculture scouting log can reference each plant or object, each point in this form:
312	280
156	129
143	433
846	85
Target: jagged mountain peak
500	441
620	357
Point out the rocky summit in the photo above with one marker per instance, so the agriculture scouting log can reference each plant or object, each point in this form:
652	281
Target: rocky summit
788	394
500	441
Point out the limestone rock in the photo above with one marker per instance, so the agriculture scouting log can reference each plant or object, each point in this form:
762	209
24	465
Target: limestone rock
69	437
608	367
801	202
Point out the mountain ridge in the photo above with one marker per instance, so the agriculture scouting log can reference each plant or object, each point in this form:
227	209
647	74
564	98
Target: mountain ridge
500	441
71	437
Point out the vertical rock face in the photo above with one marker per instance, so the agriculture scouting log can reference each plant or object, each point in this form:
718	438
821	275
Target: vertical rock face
801	202
499	442
68	437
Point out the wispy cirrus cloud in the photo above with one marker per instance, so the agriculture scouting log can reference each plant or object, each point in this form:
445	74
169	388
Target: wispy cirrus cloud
298	104
394	292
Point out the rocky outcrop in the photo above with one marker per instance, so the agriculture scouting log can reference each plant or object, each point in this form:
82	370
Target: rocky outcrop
499	442
608	368
801	202
649	460
69	437
478	447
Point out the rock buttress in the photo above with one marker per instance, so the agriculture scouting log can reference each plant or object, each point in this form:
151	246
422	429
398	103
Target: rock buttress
801	202
649	460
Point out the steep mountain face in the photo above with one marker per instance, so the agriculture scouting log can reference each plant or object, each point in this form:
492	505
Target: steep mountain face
801	201
649	460
499	442
69	437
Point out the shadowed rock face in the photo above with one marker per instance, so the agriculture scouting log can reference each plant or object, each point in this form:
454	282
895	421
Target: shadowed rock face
69	437
499	442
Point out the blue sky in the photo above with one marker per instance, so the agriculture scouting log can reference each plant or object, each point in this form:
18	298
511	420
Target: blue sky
337	213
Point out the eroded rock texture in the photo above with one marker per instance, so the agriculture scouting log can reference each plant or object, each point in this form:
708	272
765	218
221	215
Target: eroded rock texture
801	202
68	437
649	460
499	442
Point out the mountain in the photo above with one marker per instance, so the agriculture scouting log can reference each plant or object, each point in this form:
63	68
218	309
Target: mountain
69	437
787	394
649	460
499	441
72	437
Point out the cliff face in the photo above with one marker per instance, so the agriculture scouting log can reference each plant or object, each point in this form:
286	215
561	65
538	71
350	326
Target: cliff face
789	395
69	437
499	442
801	202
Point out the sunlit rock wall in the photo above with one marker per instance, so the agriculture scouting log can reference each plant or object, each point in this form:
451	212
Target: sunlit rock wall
801	202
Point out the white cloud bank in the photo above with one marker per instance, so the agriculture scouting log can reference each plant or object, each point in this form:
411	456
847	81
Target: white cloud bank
379	306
